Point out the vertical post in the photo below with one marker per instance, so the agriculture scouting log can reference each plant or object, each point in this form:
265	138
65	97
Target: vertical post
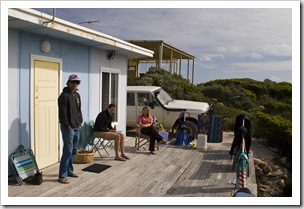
160	55
171	62
180	64
188	66
192	71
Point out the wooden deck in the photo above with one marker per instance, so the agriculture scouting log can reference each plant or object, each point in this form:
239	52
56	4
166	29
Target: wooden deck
172	172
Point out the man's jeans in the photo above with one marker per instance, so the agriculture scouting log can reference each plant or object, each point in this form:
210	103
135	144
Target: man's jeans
70	143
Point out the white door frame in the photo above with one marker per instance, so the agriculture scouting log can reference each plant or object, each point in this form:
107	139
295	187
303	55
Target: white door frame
32	81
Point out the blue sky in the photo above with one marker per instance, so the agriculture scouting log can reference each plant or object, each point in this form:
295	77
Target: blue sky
226	42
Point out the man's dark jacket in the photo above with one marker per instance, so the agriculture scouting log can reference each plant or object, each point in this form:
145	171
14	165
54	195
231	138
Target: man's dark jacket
70	115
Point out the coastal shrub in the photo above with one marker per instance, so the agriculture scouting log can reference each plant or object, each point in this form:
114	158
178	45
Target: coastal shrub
278	108
256	87
282	90
249	94
277	131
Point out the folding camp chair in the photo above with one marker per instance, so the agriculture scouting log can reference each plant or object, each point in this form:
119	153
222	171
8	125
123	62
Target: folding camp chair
141	139
23	164
101	143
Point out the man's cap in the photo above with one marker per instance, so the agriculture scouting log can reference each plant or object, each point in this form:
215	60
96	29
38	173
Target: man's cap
74	77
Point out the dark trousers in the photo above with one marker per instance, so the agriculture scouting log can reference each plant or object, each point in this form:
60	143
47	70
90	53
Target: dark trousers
154	135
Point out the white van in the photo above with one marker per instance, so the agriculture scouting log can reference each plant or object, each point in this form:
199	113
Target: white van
166	110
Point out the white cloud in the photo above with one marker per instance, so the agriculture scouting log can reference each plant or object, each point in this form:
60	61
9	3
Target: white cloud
206	58
275	78
207	66
259	67
255	55
221	49
210	57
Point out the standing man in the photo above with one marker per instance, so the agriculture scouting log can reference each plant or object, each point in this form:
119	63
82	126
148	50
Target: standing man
70	119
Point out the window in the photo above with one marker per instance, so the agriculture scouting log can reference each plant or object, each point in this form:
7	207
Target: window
109	88
131	99
143	99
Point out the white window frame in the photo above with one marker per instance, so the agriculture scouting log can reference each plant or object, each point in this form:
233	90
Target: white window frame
109	70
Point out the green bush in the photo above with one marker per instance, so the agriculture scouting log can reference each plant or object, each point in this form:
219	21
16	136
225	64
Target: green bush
249	94
257	88
276	130
281	91
278	108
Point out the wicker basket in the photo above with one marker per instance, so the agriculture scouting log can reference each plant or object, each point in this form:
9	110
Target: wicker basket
84	156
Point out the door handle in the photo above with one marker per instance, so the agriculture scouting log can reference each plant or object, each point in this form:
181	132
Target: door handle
37	91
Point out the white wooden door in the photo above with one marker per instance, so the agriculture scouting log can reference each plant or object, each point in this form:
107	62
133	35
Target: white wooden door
46	92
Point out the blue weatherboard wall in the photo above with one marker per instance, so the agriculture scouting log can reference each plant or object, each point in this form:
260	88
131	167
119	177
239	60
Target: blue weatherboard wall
75	59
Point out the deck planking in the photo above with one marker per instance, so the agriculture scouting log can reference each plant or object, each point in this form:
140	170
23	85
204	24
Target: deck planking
173	172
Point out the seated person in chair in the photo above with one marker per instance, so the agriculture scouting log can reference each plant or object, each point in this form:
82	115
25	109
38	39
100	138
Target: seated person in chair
145	121
104	129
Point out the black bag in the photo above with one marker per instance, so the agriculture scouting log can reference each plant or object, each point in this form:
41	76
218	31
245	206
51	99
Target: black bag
36	179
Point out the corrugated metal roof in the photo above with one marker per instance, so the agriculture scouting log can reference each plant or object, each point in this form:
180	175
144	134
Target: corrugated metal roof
36	22
167	49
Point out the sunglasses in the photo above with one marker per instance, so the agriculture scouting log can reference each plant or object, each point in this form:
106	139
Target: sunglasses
77	82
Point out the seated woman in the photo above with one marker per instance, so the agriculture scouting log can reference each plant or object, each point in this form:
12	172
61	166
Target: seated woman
104	129
145	121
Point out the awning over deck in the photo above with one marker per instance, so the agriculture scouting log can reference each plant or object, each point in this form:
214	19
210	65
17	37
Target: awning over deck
163	54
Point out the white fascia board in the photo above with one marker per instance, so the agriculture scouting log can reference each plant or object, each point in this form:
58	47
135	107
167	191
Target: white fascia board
39	18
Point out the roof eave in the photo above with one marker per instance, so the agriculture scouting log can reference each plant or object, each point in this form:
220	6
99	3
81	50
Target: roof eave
99	39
